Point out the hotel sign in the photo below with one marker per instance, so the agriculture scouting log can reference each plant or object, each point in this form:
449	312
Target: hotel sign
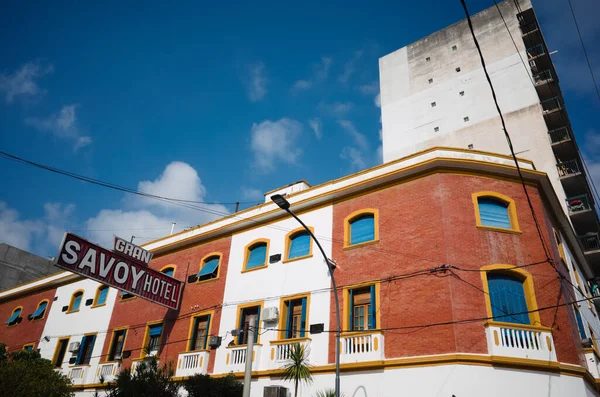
117	270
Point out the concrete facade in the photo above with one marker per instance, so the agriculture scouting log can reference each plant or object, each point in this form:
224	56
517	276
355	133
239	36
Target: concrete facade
19	267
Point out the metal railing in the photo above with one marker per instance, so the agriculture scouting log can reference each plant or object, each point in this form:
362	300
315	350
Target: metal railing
543	76
535	51
590	242
578	204
552	104
559	135
527	28
567	168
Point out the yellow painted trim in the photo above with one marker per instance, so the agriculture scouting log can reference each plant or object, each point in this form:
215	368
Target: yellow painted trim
283	315
525	327
346	308
247	254
210	313
238	346
168	267
57	348
29	344
360	245
204	260
121	299
72	301
112	340
98	290
260	305
512	211
559	244
356	214
288	243
12	313
147	337
45	310
526	277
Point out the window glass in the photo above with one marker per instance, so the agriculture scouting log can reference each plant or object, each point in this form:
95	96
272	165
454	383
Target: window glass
362	309
169	271
210	268
200	332
246	314
257	256
61	350
493	213
507	298
116	348
299	245
362	229
295	326
102	294
85	350
154	333
76	301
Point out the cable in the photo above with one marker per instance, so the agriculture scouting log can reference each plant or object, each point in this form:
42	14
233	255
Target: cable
587	58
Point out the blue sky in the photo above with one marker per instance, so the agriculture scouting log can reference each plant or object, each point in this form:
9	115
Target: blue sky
215	103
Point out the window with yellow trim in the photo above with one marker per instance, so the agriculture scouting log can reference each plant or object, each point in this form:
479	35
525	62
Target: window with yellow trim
40	311
75	302
209	269
299	245
244	316
294	315
15	317
153	337
362	309
117	344
361	227
101	295
29	347
60	351
200	329
256	256
495	211
169	271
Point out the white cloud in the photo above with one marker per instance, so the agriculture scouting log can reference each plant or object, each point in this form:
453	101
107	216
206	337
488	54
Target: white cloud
178	180
62	125
16	232
274	141
355	157
378	100
22	83
302	85
256	81
320	73
359	139
350	67
369	89
252	194
337	109
317	127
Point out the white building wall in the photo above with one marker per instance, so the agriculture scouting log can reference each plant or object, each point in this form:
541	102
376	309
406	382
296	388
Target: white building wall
409	120
276	281
86	321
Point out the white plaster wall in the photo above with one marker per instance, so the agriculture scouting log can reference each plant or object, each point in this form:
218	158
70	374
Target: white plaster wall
444	380
278	280
409	119
86	320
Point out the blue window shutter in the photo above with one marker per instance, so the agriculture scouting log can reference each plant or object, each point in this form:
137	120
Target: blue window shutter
209	267
580	324
372	309
288	320
300	245
29	348
351	314
507	298
257	257
169	272
362	229
303	319
40	310
81	349
14	316
493	213
155	330
77	302
207	330
88	357
102	296
257	325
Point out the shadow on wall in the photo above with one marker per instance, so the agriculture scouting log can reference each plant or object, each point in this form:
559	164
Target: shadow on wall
360	392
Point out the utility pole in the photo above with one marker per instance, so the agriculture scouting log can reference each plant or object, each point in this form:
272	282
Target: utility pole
249	347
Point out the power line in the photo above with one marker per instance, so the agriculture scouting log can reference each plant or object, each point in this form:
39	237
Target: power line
587	58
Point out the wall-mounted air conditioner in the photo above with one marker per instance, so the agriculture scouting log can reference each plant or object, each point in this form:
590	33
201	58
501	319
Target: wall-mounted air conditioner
270	314
74	346
275	391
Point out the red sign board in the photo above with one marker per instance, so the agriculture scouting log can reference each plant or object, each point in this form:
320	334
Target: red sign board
79	256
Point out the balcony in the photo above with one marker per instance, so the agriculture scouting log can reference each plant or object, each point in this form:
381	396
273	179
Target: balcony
108	372
551	105
568	168
280	350
236	357
135	364
590	243
559	135
192	363
77	374
528	27
535	51
579	204
520	341
543	77
363	346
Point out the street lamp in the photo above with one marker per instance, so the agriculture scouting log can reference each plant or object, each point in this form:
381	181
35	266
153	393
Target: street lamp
285	205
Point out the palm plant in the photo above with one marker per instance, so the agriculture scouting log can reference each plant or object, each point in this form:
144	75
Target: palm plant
297	367
327	393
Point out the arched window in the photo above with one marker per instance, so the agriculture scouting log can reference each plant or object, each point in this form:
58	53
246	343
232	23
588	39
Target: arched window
298	244
361	227
495	211
256	255
168	270
101	295
40	311
209	267
75	301
15	316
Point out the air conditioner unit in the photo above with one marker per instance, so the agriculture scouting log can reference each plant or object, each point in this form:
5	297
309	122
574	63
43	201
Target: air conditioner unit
118	357
270	314
74	346
275	391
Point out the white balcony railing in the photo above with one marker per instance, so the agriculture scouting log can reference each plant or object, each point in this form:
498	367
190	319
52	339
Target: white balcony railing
108	372
192	363
236	358
520	341
281	349
136	363
361	347
77	375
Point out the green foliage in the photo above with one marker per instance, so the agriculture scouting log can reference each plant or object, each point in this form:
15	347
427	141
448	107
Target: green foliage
327	393
26	374
148	380
297	367
206	386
